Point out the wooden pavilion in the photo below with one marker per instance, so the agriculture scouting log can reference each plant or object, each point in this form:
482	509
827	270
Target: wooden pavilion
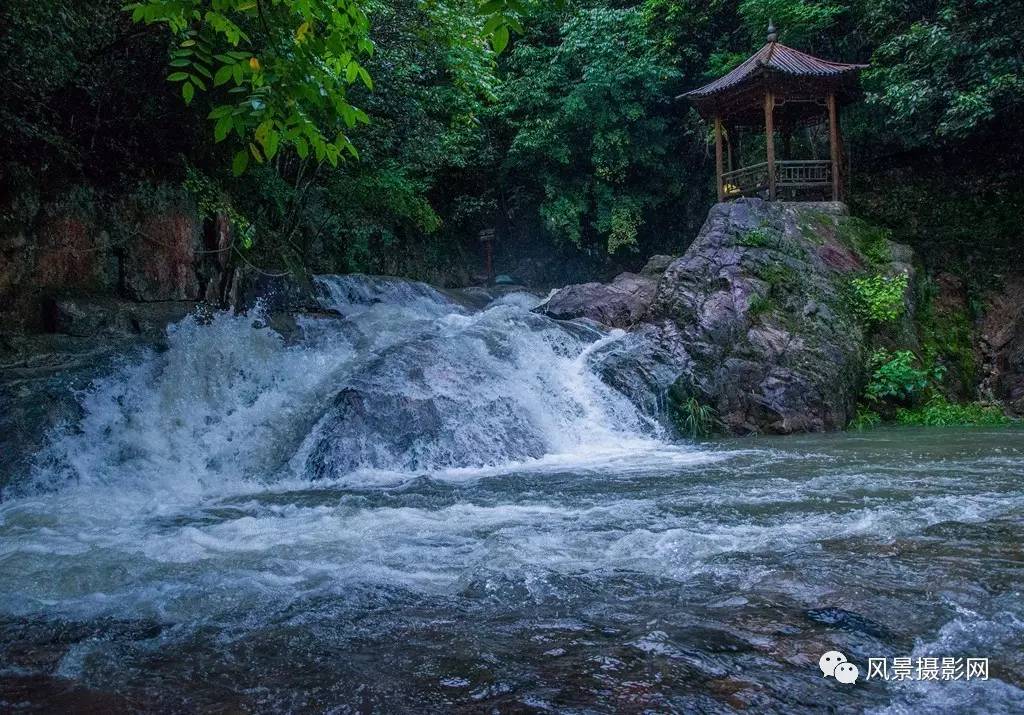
778	89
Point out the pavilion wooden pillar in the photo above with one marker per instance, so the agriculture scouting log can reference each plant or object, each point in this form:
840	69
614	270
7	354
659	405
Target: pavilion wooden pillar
729	132
769	138
718	158
834	148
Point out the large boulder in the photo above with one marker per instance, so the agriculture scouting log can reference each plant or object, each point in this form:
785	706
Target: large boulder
755	320
620	304
407	409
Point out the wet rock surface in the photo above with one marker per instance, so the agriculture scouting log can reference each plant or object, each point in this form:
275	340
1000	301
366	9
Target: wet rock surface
1002	344
620	304
105	317
753	320
40	380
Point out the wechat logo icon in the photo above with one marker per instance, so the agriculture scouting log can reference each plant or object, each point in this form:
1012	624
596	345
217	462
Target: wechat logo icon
834	664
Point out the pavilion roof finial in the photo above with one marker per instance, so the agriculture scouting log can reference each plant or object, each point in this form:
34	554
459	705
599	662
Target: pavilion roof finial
773	35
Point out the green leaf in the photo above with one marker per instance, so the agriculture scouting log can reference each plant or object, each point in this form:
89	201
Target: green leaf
177	76
222	76
493	24
499	40
188	91
270	146
223	127
263	130
240	163
367	80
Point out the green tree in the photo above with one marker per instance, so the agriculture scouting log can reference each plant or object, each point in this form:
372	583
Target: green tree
287	65
948	69
589	105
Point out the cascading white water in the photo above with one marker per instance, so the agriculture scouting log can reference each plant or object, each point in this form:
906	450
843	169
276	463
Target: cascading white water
403	379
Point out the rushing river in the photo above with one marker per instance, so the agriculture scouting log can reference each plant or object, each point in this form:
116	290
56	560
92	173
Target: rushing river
418	505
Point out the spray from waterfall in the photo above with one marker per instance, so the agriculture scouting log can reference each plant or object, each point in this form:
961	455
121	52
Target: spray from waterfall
398	377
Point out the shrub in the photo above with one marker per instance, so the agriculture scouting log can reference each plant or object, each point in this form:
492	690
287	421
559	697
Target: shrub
879	299
947	337
939	412
760	305
897	377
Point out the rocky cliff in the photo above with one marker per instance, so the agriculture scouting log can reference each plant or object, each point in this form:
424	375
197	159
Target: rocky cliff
1002	343
147	247
755	321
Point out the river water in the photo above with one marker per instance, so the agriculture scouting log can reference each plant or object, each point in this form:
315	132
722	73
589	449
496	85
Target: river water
422	504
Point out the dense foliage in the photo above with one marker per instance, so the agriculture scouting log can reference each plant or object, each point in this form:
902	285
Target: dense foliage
570	142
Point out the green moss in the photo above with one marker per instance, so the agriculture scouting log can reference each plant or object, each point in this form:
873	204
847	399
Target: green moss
809	233
868	240
761	305
779	275
815	225
947	337
760	237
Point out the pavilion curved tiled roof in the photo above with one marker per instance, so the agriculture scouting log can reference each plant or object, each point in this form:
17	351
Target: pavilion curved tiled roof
775	57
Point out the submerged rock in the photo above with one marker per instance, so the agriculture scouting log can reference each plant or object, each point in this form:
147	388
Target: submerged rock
379	429
40	380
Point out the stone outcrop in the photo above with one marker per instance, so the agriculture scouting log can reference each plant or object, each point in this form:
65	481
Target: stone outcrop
622	303
112	317
619	304
757	302
754	320
1002	344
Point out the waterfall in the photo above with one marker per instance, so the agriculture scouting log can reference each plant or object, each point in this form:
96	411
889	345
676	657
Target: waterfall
396	376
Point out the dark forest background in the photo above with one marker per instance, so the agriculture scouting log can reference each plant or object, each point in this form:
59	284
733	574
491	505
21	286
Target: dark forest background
569	142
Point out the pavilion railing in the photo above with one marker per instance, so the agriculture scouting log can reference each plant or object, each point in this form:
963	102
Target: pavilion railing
803	174
746	181
791	174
